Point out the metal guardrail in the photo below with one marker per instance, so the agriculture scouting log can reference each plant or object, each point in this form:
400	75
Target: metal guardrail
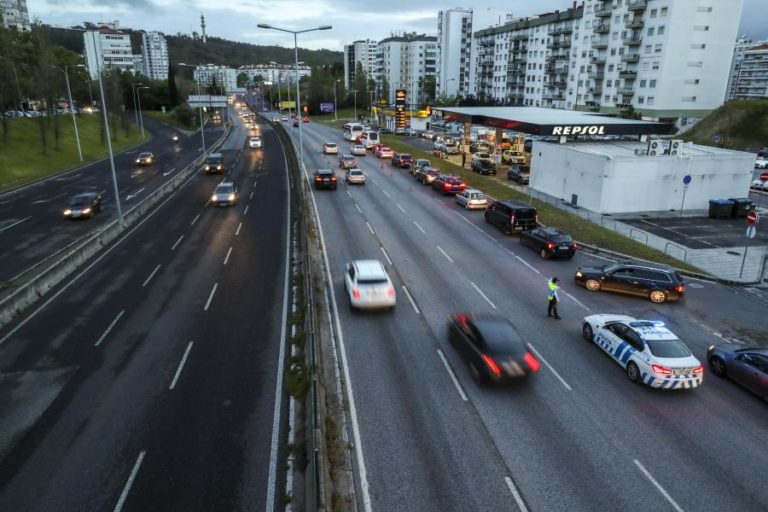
685	252
633	230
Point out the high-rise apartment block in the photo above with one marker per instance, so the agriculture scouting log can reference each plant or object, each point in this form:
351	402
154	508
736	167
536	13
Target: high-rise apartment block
14	14
405	62
359	52
749	71
106	46
224	78
454	43
154	52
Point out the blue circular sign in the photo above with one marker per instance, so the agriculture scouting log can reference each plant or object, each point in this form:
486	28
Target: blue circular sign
687	179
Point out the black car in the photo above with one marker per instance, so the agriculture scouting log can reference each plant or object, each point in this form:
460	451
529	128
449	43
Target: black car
428	176
517	175
447	184
510	215
483	167
746	366
657	282
84	205
325	178
491	347
402	160
214	164
549	242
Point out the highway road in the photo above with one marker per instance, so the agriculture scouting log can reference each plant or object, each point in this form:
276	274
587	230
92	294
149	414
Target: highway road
32	225
149	380
579	436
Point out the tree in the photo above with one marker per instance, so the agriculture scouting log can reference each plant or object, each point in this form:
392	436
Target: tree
242	79
429	86
385	89
173	92
360	84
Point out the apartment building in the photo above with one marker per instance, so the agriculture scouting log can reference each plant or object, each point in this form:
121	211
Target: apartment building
154	53
283	74
404	62
210	74
362	52
106	46
749	71
454	50
14	14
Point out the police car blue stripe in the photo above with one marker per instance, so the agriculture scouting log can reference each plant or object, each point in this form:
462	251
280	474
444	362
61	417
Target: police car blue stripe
627	355
618	350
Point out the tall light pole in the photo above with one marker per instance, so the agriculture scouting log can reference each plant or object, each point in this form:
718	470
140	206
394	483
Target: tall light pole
71	109
141	114
334	100
202	128
135	107
354	91
296	60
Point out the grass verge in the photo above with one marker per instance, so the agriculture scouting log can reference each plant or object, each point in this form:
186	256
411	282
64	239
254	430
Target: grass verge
581	229
169	119
22	159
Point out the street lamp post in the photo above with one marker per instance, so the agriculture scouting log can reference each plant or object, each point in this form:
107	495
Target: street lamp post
354	92
202	128
141	114
72	109
135	107
296	57
334	100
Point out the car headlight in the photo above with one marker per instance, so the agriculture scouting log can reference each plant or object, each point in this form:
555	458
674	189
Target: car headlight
67	212
218	167
213	198
87	211
138	161
231	197
579	274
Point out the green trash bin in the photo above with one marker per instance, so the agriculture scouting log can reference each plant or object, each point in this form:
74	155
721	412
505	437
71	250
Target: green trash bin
720	208
741	207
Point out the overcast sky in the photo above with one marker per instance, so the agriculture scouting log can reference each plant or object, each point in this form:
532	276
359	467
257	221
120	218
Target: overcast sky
351	19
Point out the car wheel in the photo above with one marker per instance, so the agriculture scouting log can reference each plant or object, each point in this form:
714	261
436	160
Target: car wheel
586	332
657	296
592	285
544	254
633	372
717	365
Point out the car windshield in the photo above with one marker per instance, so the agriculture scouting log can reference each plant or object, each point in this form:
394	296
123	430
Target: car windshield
146	155
477	195
355	173
330	145
79	200
224	189
668	348
406	156
500	337
214	159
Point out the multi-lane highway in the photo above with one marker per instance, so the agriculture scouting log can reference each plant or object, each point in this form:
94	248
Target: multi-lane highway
579	436
149	380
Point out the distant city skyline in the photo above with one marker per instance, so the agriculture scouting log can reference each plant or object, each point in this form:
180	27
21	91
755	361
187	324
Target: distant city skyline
351	20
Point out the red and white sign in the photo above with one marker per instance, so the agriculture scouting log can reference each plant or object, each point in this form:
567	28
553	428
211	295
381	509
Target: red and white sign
764	176
753	218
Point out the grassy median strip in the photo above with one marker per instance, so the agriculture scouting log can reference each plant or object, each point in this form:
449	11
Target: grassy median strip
170	119
581	229
22	159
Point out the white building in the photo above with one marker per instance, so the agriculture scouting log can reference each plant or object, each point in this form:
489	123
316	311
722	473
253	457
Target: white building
14	14
211	74
405	62
749	71
107	47
454	46
154	52
273	74
362	52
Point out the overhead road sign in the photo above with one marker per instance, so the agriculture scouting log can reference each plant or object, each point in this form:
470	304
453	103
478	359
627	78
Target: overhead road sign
206	100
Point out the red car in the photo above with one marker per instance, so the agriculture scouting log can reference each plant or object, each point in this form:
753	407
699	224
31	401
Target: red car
384	152
305	119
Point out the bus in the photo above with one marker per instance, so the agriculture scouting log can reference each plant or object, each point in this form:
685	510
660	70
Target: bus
352	131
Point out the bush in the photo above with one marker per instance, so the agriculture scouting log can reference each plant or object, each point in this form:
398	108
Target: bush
184	115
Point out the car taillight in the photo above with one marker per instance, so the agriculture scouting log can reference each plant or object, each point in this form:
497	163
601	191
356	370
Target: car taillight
574	245
680	288
699	369
463	185
531	361
663	370
492	365
512	219
550	246
391	291
333	178
447	186
356	293
318	178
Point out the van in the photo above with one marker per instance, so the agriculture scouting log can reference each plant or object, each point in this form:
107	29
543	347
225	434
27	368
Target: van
511	215
370	139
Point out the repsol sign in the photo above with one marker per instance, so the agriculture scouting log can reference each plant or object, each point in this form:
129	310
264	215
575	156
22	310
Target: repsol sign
579	130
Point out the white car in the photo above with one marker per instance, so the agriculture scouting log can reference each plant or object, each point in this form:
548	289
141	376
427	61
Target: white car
649	352
760	185
355	176
330	148
254	142
225	194
358	150
368	285
761	163
472	198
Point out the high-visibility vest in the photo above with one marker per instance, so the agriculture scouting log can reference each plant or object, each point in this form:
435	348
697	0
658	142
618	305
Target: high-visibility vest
552	291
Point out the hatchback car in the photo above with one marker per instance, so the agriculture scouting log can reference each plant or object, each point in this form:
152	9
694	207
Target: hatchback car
214	164
472	199
491	346
325	178
427	177
384	152
419	163
511	215
746	366
347	162
447	184
368	285
761	163
658	283
330	148
402	160
358	150
518	176
145	158
355	177
254	143
84	205
549	242
484	167
225	194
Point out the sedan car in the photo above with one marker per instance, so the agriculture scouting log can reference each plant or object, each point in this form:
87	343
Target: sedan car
472	199
518	176
225	194
649	352
358	150
330	148
355	177
214	163
384	152
759	185
483	167
402	160
658	283
491	346
368	285
84	205
325	178
347	162
746	366
145	158
761	163
549	242
254	143
428	177
447	184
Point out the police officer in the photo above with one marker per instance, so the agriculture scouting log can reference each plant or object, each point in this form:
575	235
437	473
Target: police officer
552	298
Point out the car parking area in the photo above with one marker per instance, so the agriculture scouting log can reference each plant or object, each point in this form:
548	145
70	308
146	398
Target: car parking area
701	232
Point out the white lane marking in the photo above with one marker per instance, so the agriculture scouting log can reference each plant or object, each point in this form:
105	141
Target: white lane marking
210	296
386	193
387	256
453	375
374	181
510	252
349	194
173	247
195	220
528	264
483	295
238	229
400	207
169	172
148	279
245	212
251	196
516	494
420	228
181	366
658	486
562	380
15	223
226	258
577	301
413	302
358	208
445	254
129	483
369	227
106	332
131	196
471	224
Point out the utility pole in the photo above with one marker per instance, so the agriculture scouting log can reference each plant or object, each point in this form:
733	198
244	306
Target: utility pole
354	91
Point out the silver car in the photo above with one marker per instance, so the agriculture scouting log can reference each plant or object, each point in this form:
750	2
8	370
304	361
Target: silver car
746	366
368	285
225	194
472	198
355	177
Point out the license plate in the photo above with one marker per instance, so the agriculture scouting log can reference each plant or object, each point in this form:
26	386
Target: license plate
564	247
681	372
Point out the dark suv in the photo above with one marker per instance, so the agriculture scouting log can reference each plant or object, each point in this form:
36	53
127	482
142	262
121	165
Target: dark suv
484	167
447	184
214	164
657	282
325	178
402	160
510	215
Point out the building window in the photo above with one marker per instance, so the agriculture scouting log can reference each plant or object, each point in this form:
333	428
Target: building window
660	30
650	31
615	36
655	66
608	84
651	83
645	66
658	48
642	83
649	100
610	67
640	100
654	13
648	49
663	11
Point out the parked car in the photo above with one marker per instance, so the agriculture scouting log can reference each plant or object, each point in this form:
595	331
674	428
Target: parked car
330	148
509	215
483	155
510	157
368	285
429	134
471	199
549	242
448	184
518	176
402	160
746	366
225	194
83	205
325	178
355	177
347	162
483	167
658	283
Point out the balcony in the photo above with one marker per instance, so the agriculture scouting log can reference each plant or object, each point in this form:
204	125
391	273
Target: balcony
561	43
635	23
596	90
600	44
598	61
561	31
602	28
520	37
637	5
633	41
596	76
561	71
630	57
626	91
558	84
623	106
602	11
628	74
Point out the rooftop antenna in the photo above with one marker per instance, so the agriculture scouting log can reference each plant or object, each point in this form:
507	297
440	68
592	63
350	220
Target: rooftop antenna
202	26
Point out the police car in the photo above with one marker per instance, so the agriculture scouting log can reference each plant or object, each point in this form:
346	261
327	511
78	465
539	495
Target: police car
648	351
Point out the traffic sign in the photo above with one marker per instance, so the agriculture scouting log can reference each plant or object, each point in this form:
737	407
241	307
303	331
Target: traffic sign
686	179
751	231
716	138
764	176
753	218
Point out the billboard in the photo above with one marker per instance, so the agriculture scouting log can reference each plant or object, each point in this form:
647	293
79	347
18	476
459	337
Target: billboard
327	108
287	104
400	108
